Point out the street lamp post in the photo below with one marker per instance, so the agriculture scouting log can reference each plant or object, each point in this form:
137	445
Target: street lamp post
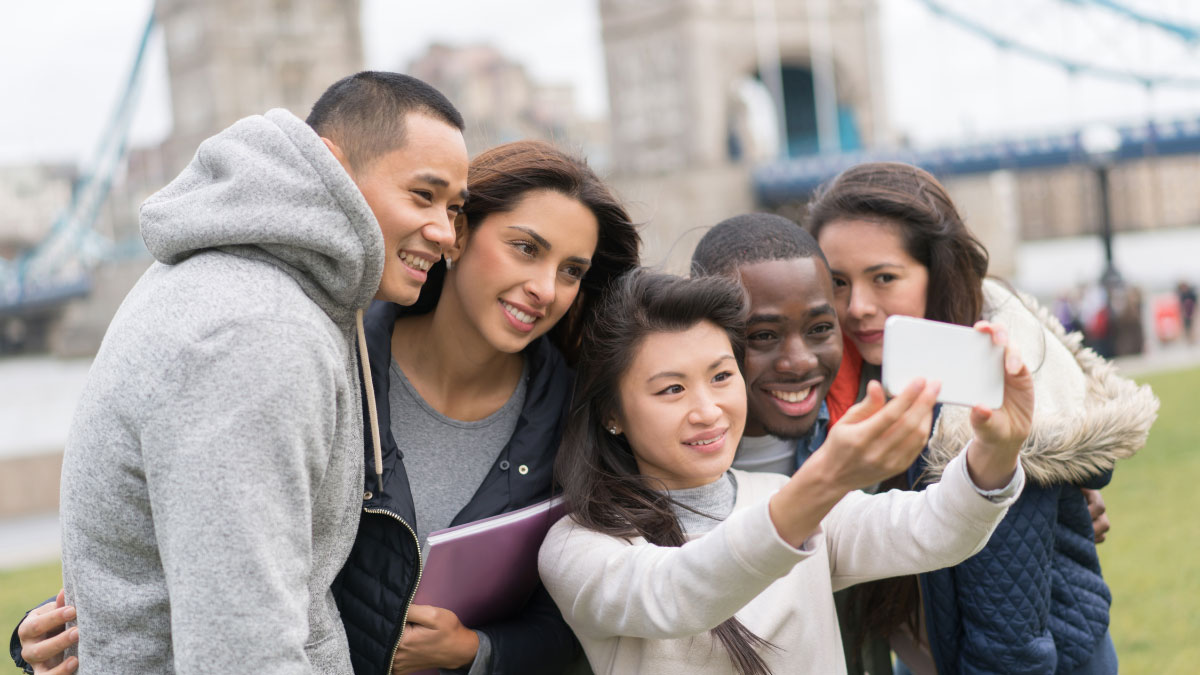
1101	143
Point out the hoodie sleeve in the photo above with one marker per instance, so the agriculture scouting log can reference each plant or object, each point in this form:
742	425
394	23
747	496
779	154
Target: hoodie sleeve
234	448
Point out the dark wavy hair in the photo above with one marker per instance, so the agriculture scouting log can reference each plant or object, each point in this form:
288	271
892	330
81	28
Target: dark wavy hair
912	200
497	181
499	178
596	469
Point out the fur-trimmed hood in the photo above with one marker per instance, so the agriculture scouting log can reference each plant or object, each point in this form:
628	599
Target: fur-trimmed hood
1086	416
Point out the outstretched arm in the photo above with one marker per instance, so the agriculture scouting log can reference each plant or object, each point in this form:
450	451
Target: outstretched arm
873	441
606	586
874	536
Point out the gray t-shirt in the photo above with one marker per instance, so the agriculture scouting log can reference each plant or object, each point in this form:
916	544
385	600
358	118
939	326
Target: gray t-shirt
446	459
770	454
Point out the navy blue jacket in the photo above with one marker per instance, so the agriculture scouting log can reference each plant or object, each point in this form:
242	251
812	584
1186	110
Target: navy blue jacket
1032	601
376	586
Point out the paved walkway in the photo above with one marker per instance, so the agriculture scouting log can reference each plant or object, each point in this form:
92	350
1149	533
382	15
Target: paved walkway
1171	357
37	398
29	541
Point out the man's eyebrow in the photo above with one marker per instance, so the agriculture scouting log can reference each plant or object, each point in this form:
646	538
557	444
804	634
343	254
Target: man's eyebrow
825	308
438	181
765	318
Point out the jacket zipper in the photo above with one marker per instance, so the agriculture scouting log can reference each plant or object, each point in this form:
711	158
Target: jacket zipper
420	570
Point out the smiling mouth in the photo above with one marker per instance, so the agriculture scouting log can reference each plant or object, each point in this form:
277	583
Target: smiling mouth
791	396
518	314
795	403
415	262
708	441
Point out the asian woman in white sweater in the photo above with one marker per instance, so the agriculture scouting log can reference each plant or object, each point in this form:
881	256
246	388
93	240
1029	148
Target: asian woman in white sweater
671	562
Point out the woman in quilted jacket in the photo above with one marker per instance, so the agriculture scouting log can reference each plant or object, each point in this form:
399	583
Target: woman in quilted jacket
1034	600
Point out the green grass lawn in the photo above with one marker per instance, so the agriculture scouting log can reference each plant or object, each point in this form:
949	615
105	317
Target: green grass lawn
1151	559
1152	556
19	591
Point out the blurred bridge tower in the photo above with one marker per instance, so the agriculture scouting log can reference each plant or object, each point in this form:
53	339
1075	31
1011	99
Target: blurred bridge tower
226	59
691	116
232	58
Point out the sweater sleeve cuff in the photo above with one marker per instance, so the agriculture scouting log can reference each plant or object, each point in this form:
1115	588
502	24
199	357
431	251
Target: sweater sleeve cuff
968	500
757	546
483	659
999	495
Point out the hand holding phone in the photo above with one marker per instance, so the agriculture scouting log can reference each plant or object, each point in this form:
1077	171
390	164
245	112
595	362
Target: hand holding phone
967	363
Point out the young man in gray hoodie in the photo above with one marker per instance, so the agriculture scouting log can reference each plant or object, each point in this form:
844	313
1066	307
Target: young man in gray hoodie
211	483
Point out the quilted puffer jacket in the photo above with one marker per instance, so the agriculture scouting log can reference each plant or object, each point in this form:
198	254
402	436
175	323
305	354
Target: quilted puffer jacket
1033	600
377	583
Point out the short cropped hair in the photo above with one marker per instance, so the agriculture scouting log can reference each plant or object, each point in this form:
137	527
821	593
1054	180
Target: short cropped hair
364	114
752	238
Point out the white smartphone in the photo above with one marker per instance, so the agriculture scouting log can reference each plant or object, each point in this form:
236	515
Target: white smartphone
967	363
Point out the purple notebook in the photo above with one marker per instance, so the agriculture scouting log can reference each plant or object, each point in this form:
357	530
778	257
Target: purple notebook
486	570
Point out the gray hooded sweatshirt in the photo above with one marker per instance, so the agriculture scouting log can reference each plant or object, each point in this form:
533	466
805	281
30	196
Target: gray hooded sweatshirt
212	479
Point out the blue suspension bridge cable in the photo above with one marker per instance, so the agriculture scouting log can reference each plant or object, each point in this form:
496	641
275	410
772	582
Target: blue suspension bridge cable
1070	65
72	245
1186	33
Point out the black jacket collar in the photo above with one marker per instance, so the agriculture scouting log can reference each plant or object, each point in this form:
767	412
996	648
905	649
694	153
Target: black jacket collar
521	475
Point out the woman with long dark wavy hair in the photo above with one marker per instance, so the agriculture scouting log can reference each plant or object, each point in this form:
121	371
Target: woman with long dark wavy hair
672	563
1034	600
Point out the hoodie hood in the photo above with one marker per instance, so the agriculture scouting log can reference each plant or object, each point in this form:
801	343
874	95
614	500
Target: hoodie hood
1086	416
267	188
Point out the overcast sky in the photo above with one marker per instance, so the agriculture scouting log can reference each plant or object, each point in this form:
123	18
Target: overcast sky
64	62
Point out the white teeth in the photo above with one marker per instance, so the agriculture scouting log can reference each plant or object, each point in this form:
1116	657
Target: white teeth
708	442
520	316
415	262
792	396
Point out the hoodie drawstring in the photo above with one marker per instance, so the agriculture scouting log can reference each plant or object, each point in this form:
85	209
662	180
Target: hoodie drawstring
369	385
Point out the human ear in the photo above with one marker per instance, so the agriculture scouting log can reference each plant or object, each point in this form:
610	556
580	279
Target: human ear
339	155
613	424
460	240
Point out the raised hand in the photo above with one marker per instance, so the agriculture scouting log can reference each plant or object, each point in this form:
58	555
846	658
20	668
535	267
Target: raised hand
999	434
43	638
873	441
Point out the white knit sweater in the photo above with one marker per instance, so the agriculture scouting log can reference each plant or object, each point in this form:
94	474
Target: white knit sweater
640	608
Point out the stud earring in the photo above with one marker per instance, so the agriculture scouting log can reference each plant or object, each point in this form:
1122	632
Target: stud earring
613	430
